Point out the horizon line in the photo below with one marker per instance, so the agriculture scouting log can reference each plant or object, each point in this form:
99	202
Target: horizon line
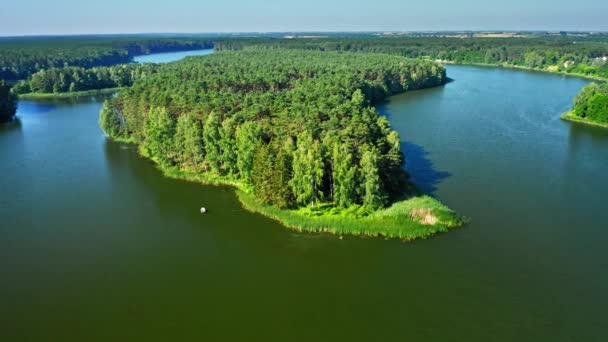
296	32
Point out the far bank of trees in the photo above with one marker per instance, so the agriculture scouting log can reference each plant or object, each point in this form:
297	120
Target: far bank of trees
592	103
71	79
581	55
298	127
20	57
8	102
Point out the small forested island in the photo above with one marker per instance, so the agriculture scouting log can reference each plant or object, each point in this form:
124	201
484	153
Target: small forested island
590	106
294	131
8	102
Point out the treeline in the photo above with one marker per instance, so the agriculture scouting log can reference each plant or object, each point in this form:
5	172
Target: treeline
592	103
22	57
561	53
8	102
71	79
298	127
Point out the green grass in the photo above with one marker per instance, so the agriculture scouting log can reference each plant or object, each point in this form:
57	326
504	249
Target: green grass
68	94
570	116
394	222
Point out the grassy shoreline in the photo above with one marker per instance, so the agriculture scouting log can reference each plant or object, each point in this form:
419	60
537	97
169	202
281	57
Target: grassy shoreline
30	96
571	117
394	222
519	67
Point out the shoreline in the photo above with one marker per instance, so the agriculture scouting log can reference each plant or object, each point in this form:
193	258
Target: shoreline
571	117
519	67
417	217
394	222
30	96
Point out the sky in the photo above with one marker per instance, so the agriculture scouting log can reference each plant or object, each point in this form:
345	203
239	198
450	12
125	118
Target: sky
27	17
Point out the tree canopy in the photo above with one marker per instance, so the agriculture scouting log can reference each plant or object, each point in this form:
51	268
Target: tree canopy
299	127
20	57
592	103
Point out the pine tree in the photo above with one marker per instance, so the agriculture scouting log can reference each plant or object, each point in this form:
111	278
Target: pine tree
271	174
248	136
371	187
228	147
345	190
211	141
189	141
281	175
261	174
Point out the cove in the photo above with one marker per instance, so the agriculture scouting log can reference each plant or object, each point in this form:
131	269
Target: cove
95	244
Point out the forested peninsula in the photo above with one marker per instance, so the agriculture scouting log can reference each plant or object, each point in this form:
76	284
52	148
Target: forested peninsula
294	131
590	106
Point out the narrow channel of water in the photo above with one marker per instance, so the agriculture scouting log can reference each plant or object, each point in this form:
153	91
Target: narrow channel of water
167	57
96	245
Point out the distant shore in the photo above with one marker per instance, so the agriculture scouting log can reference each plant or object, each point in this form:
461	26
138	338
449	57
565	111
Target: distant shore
519	67
30	96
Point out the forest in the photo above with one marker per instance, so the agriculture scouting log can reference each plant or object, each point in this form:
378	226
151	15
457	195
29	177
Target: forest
74	79
8	102
69	64
591	104
298	128
20	57
570	54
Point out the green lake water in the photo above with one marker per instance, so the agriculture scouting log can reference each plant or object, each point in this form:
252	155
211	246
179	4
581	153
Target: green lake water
96	245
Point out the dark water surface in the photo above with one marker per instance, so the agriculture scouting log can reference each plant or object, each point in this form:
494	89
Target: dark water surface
95	245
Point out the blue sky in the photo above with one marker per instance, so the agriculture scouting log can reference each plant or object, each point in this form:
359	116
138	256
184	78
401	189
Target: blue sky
133	16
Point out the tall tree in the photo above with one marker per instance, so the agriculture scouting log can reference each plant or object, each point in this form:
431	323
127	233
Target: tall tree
344	179
228	147
271	174
159	131
189	141
8	102
308	170
248	137
211	140
371	187
110	122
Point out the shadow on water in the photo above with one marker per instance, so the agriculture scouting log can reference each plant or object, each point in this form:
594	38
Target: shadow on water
421	169
12	125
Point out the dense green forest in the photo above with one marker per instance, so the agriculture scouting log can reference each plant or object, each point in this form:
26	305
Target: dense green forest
297	127
8	102
73	79
579	55
58	64
22	57
591	104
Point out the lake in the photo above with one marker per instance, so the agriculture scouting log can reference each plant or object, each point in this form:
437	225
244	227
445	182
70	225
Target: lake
96	245
167	57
